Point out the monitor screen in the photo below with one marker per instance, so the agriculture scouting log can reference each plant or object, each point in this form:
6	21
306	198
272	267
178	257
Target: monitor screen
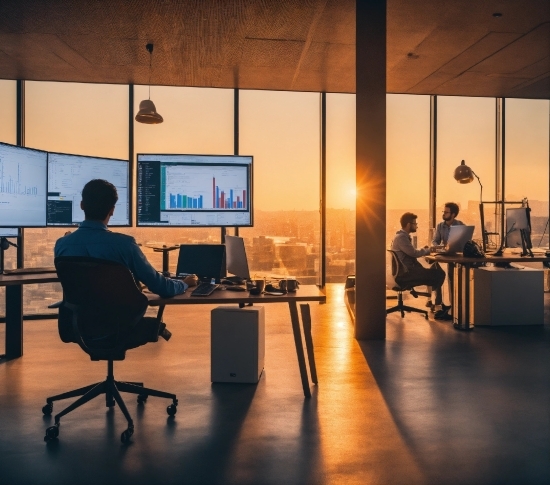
67	175
518	219
207	261
9	232
23	174
235	253
194	190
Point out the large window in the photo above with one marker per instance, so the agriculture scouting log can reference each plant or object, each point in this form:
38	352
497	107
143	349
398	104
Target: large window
408	163
340	183
527	159
281	131
87	119
467	131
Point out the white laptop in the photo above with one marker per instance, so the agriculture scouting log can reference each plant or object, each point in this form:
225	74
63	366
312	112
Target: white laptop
458	236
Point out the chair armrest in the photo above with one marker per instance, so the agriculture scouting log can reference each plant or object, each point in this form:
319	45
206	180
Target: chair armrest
57	304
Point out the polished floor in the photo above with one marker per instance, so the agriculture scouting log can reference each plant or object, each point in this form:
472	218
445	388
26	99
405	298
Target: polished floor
429	405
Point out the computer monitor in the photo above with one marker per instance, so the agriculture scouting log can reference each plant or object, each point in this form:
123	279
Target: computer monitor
9	232
67	175
23	175
518	226
207	261
235	253
194	190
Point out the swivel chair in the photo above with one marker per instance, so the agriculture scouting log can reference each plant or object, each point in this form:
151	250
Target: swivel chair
101	306
395	269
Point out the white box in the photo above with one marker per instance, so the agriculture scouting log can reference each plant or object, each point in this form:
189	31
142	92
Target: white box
508	296
237	344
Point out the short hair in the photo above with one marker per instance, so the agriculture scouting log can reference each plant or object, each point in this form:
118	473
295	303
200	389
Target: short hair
406	218
453	208
98	198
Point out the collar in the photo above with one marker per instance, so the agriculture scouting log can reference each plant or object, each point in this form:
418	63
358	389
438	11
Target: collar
87	224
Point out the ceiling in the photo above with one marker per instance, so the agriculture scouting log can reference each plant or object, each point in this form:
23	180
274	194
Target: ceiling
447	47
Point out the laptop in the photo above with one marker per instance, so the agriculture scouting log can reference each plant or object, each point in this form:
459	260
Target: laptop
458	236
207	261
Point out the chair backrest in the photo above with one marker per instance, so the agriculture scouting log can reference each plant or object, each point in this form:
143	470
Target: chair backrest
105	303
394	267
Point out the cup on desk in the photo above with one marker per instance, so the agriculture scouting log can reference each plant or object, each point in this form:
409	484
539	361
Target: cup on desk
260	285
289	285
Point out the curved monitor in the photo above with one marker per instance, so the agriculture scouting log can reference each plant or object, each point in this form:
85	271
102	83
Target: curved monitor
194	190
67	175
23	174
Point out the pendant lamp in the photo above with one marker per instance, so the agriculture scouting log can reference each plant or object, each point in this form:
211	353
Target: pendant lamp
147	111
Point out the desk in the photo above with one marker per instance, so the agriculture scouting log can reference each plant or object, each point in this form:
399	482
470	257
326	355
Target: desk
462	313
14	307
306	293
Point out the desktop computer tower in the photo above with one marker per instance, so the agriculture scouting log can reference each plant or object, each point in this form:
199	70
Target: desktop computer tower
237	344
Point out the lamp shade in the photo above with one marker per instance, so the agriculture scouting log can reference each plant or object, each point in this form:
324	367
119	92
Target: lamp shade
463	173
148	113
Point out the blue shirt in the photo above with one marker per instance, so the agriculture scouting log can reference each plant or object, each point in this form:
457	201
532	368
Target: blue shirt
441	234
94	240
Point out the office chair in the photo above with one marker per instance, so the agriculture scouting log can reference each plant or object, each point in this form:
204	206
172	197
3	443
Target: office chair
395	269
101	305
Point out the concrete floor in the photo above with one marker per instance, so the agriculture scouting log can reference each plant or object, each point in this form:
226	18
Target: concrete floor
429	405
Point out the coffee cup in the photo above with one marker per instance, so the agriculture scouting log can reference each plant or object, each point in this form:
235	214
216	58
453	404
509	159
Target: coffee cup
290	285
260	285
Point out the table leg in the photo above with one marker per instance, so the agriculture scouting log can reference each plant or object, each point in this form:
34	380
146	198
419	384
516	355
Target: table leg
299	347
14	321
306	322
461	319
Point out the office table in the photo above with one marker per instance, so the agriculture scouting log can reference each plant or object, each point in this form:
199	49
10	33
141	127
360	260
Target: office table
305	293
462	315
14	307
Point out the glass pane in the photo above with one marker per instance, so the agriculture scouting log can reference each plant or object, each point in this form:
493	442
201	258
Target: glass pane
86	119
196	120
340	230
281	131
467	131
408	163
527	142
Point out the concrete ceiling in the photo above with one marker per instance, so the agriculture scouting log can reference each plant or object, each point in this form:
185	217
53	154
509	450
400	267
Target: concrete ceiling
447	47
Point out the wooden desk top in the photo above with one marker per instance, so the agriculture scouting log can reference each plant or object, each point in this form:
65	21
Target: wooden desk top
489	258
27	279
304	293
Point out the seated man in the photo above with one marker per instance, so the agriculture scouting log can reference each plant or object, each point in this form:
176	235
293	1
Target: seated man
94	240
416	274
441	237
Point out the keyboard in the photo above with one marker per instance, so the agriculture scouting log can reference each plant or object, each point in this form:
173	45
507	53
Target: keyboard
204	289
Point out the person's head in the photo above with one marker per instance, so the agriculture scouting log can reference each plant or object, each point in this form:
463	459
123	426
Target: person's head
408	222
98	200
450	212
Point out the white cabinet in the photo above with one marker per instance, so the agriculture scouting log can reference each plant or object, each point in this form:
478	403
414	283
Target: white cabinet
508	296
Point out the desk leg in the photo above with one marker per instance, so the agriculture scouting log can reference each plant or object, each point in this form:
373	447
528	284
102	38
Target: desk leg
14	321
461	319
306	322
299	347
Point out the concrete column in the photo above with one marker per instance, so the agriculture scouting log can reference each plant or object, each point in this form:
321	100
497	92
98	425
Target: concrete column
370	306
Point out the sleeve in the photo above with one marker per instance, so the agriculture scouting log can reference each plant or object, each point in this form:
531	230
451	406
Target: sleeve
402	243
150	277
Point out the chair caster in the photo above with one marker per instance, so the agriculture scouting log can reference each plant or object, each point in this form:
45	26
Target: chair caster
47	409
172	409
126	435
142	398
52	433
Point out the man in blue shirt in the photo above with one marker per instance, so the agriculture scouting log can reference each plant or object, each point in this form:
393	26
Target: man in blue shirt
94	240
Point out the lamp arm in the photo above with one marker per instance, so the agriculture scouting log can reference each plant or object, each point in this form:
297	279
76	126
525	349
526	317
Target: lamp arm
481	186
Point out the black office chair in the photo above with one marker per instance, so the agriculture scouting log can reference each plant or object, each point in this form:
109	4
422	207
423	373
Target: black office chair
395	269
101	305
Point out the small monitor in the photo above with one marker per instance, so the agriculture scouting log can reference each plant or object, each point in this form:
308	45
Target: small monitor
237	263
518	221
23	173
9	232
67	175
194	190
207	261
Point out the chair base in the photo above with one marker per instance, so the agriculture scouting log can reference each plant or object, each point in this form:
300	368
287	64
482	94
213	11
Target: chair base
400	307
111	389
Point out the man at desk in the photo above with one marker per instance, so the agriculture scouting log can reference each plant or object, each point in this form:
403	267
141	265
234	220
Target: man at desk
93	239
416	274
440	238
